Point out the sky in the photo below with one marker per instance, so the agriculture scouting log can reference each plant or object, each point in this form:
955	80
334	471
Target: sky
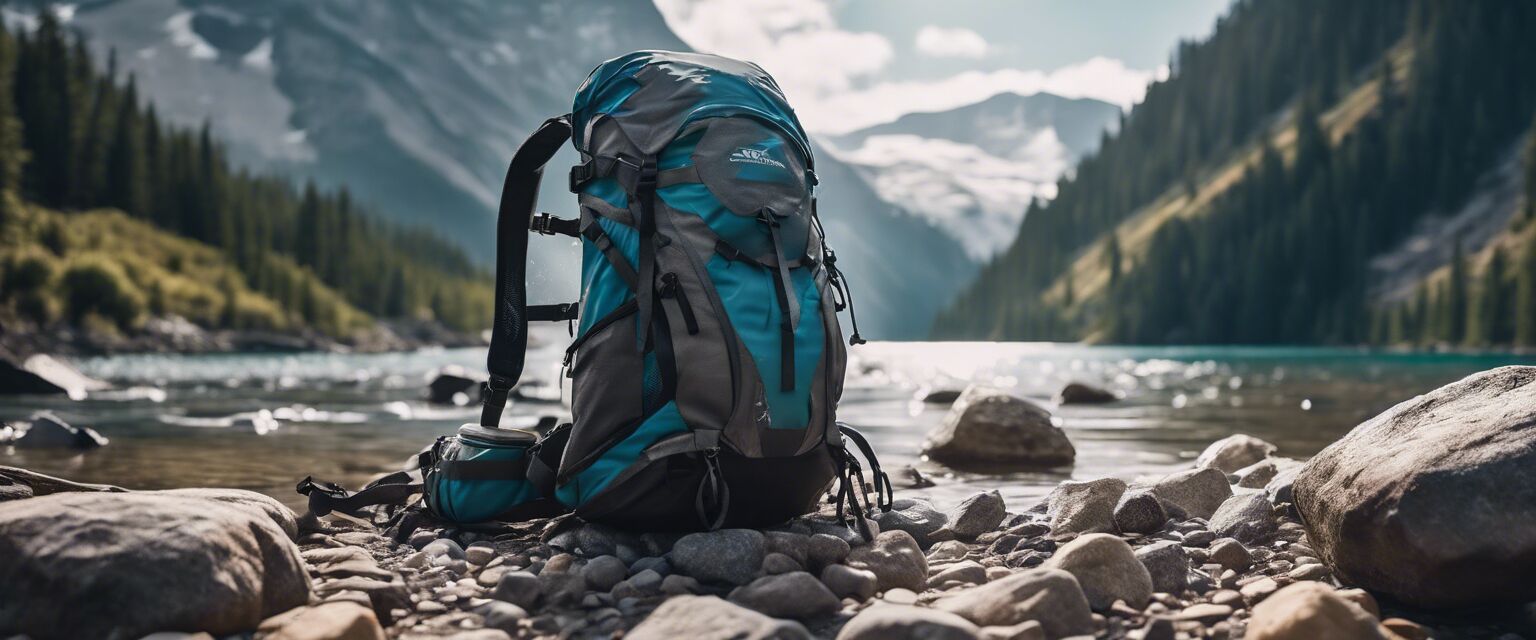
849	64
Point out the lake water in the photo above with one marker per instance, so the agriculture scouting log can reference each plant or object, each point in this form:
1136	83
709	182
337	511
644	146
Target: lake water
264	421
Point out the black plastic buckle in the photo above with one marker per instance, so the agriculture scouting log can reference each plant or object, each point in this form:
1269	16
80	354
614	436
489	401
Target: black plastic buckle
579	175
309	485
543	223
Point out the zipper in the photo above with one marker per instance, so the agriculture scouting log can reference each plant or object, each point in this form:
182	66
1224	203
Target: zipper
627	309
672	288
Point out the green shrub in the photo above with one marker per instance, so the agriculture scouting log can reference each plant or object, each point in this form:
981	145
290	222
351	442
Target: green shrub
38	306
29	269
95	284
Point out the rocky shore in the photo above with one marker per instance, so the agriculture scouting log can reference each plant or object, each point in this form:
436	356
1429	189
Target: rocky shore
1418	524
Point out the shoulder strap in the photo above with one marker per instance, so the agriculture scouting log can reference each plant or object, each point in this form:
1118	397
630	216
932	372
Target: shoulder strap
519	197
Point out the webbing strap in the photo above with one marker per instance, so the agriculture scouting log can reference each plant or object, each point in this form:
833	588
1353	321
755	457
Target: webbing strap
594	233
645	292
789	304
553	312
326	497
519	196
484	469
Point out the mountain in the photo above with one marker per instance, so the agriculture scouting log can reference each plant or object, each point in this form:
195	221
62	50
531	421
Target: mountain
417	108
972	170
1314	172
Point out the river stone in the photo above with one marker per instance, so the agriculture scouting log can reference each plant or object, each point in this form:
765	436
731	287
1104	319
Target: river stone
602	572
1310	611
49	432
788	543
895	559
969	572
776	563
914	516
1084	507
1167	564
1234	452
797	595
1082	393
824	550
1280	490
334	620
1140	511
710	618
1195	493
518	587
1230	554
728	556
1049	596
977	514
987	427
1256	475
1431	501
1248	517
847	582
902	622
97	565
1107	569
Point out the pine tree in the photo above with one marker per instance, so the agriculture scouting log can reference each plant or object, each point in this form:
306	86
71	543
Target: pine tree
1112	258
1525	297
127	176
1455	327
12	153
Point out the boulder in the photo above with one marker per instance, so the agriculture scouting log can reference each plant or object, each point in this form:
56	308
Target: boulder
1234	452
797	595
940	396
334	620
988	428
1247	517
1082	393
1310	611
1167	564
1256	475
728	556
976	515
895	559
901	622
47	431
847	582
1280	489
1140	511
96	565
38	484
1084	507
1195	493
42	374
1230	554
1434	500
708	617
1106	568
1051	597
450	381
914	516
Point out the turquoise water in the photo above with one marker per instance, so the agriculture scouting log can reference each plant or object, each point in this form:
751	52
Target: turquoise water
264	421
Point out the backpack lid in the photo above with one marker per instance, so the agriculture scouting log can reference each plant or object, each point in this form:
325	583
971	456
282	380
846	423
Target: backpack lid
653	95
498	436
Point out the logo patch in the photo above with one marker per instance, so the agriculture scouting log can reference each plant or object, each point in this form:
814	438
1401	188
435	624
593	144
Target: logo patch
755	156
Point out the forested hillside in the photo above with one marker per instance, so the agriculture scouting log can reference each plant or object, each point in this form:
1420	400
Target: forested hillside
74	139
1244	200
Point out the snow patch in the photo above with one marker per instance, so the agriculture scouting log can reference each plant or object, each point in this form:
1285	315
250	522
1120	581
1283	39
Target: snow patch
179	27
260	57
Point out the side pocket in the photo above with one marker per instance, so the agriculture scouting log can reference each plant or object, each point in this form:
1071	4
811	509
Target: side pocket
607	389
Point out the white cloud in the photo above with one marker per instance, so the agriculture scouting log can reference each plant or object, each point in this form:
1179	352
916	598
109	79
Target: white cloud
950	42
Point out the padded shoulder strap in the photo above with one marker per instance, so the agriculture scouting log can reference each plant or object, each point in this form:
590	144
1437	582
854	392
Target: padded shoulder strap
519	196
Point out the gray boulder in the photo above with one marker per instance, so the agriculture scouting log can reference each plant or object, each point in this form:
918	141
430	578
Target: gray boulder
1140	511
1081	393
1107	569
1084	507
914	516
1051	597
988	428
977	514
1247	517
1167	564
847	582
895	559
797	595
1432	501
707	617
42	374
730	556
1234	452
122	565
47	431
1195	493
901	622
1280	490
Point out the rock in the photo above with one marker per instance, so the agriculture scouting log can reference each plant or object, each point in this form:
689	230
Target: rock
1310	611
941	396
1106	568
977	514
480	554
895	559
917	517
1430	501
710	618
1308	572
968	572
797	595
1051	597
47	431
1030	630
823	550
501	615
677	585
451	381
1248	517
602	572
777	563
1140	511
847	582
1201	538
42	374
1258	590
337	620
1204	612
729	556
1195	493
948	551
1280	488
1167	564
275	510
1234	452
234	565
1084	507
1157	629
899	622
1081	393
384	596
909	477
899	596
793	545
1230	554
987	427
518	587
1406	629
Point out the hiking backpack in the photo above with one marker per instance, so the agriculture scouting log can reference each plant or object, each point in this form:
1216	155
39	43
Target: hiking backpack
707	359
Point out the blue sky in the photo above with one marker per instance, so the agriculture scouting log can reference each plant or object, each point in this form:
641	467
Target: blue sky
847	64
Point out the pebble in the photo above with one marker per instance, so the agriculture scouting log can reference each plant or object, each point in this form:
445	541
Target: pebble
824	550
1308	572
1167	564
480	554
900	596
1139	511
1227	597
895	559
729	556
1107	569
797	595
1231	554
444	547
978	514
501	615
950	550
603	572
678	585
1200	538
1256	591
518	587
778	563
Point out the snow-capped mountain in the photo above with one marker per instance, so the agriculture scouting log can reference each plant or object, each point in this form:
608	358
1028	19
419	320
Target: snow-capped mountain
417	107
972	171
